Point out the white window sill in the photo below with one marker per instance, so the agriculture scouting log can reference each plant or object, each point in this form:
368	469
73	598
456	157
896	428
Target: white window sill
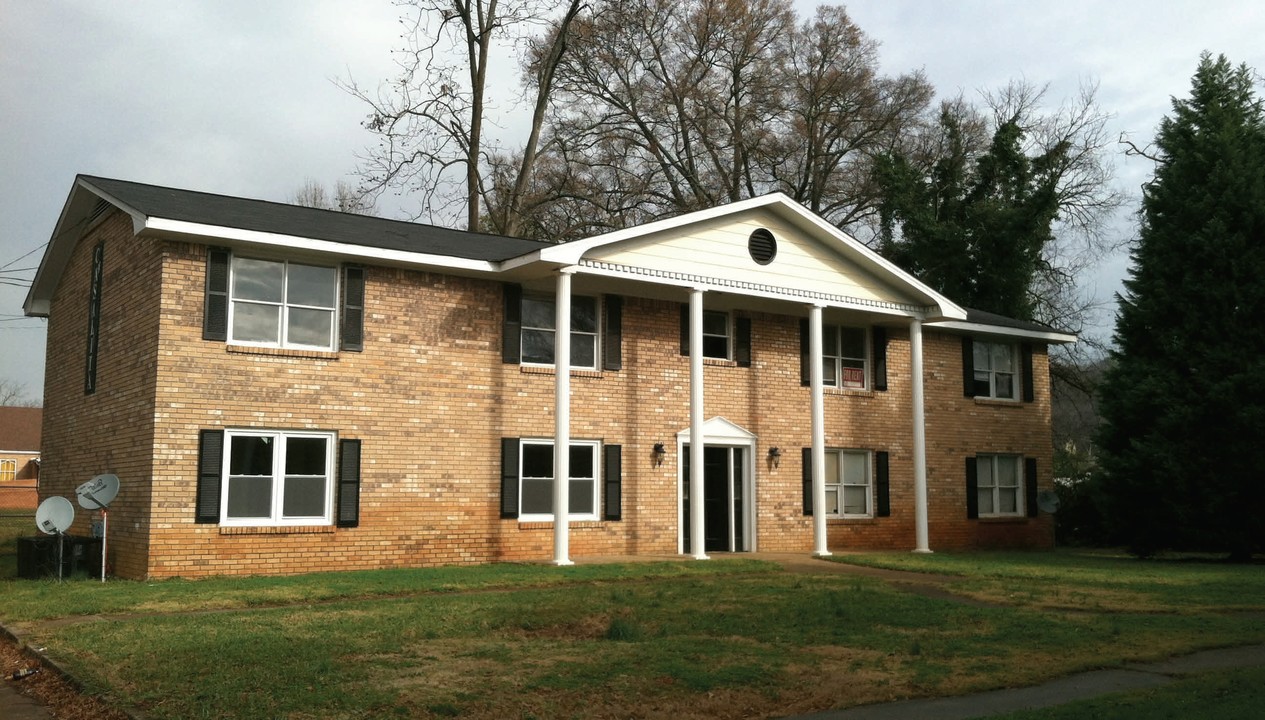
281	352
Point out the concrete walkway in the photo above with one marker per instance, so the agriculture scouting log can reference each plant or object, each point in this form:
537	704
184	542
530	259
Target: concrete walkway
1056	692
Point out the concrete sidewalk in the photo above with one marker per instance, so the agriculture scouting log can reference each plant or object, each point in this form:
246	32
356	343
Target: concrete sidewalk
1056	692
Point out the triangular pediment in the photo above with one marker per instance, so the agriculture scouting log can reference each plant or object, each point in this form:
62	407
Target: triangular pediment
720	430
769	246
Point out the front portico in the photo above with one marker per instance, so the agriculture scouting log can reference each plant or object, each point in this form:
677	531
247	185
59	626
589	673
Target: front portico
767	254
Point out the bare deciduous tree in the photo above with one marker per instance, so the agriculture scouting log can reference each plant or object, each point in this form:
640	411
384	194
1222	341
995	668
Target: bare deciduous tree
431	119
344	198
13	394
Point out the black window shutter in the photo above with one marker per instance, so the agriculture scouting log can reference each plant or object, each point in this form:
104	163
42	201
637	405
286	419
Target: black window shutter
512	330
612	468
1025	350
882	491
612	343
742	341
880	358
1030	485
972	489
348	483
352	337
968	367
94	319
685	329
215	310
509	478
807	466
210	466
805	367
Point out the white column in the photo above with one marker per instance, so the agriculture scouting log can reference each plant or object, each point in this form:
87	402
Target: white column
818	410
920	438
696	425
562	421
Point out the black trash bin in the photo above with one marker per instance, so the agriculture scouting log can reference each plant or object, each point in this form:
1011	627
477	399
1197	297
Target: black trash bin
37	557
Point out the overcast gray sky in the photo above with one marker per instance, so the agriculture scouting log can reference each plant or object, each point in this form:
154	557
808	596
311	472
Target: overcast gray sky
236	96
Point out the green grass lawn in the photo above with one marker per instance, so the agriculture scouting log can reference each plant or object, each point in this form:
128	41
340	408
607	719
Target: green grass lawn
1229	695
725	638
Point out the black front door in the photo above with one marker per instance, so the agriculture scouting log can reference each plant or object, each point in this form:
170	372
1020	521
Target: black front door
723	508
716	499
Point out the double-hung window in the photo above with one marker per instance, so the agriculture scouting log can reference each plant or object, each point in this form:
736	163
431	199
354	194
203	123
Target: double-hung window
539	325
998	483
716	334
849	492
844	362
995	370
277	478
536	478
8	470
283	304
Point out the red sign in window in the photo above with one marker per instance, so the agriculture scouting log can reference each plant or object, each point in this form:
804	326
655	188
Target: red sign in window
853	377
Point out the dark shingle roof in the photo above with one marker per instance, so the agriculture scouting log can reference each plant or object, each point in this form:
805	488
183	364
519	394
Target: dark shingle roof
283	219
980	317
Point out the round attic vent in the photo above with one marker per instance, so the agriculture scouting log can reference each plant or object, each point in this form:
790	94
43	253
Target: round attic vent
762	246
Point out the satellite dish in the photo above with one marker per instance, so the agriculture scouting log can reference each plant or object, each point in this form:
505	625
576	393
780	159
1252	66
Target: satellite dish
99	492
55	515
1048	501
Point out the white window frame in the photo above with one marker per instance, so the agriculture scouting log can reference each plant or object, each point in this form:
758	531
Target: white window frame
833	358
992	373
840	483
8	469
583	335
728	336
594	447
285	306
276	517
991	462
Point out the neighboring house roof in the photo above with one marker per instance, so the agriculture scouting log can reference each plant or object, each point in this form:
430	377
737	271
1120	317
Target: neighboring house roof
20	429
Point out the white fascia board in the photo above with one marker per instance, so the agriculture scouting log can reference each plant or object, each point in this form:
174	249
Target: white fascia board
255	237
980	329
66	233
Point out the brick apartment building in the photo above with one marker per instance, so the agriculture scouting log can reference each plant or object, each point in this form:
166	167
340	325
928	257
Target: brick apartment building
20	457
285	389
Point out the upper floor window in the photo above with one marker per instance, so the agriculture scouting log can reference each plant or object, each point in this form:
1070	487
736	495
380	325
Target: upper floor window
277	478
282	304
539	321
995	370
844	361
716	333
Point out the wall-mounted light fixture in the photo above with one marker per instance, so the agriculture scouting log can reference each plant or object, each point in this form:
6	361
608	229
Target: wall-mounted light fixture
775	456
659	452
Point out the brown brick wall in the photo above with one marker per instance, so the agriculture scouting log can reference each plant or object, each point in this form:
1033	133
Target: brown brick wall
112	429
430	400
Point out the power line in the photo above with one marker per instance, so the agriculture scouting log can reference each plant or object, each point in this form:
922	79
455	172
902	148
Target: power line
23	256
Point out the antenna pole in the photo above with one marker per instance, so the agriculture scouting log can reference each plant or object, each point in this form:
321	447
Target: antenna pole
61	544
105	533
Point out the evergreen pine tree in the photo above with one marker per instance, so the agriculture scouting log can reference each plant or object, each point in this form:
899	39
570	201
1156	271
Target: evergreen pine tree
1183	407
974	227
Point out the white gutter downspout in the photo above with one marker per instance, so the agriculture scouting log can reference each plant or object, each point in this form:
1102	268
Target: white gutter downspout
696	425
562	420
920	438
817	406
